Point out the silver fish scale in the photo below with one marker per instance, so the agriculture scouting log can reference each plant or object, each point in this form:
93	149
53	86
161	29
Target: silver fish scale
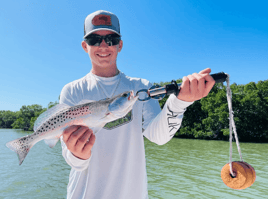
74	112
63	118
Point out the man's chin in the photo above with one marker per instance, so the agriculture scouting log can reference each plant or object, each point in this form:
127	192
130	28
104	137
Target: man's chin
105	63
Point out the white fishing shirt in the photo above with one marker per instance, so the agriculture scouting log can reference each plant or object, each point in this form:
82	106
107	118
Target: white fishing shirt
117	166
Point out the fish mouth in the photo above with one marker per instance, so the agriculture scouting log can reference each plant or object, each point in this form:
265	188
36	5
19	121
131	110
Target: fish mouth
132	96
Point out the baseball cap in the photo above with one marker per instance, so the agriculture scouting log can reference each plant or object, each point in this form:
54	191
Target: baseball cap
101	20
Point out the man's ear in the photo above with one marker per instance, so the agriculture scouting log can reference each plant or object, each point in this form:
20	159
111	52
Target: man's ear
84	46
120	45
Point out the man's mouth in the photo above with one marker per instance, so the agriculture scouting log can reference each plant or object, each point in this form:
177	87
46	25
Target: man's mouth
103	55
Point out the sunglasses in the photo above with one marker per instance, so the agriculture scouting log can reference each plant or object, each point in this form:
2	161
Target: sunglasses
95	40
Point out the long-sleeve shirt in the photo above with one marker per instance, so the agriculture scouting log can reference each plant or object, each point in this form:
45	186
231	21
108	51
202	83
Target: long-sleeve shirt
117	166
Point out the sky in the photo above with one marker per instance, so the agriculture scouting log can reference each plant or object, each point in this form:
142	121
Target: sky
40	43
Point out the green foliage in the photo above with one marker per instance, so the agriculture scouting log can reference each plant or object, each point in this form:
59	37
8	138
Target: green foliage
24	118
19	124
7	118
26	114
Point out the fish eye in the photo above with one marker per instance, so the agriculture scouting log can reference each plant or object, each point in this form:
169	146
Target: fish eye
124	95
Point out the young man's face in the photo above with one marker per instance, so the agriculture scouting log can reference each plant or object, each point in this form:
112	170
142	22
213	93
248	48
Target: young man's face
103	55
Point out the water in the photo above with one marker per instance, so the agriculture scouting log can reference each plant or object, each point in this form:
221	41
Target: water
182	168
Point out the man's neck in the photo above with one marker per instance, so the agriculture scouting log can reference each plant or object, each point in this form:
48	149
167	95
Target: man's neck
103	72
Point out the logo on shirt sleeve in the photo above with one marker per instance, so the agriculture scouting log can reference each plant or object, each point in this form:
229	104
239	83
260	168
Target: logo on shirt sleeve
172	120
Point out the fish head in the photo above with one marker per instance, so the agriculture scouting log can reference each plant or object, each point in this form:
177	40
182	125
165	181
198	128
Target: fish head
122	104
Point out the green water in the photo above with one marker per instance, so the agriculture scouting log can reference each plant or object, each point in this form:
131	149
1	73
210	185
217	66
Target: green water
181	168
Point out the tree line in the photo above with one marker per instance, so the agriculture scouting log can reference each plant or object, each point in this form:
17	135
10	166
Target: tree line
207	118
24	118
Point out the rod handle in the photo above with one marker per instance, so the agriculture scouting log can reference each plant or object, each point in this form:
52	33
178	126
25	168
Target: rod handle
219	77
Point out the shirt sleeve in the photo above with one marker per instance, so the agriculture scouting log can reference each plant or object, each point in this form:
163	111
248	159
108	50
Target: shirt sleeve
66	97
160	126
74	162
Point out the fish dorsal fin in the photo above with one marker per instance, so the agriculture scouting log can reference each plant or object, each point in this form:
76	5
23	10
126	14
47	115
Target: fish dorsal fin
50	113
85	101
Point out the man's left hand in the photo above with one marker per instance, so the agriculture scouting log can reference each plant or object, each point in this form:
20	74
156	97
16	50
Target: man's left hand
194	87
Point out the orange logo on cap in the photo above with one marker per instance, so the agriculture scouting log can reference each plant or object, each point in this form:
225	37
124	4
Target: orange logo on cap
102	20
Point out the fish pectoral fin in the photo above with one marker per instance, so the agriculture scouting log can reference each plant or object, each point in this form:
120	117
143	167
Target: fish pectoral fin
52	142
96	129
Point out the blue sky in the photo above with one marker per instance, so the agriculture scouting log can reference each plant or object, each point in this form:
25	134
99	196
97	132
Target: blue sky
40	43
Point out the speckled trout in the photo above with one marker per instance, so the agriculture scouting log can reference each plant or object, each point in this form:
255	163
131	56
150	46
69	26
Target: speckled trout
50	125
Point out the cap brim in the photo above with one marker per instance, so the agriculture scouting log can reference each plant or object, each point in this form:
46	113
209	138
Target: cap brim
101	29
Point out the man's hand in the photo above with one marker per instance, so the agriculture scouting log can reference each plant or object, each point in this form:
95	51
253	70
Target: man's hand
79	140
194	87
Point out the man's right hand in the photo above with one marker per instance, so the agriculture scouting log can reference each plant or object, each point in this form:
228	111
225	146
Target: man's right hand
79	140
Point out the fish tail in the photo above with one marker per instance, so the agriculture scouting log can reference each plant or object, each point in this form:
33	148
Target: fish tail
21	146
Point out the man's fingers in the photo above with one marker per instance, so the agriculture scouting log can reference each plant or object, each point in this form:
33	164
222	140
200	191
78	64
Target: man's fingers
207	70
88	146
209	84
83	139
76	135
185	84
209	81
201	83
193	84
67	132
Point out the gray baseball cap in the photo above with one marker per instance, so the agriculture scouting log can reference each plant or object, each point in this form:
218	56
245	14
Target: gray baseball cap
101	20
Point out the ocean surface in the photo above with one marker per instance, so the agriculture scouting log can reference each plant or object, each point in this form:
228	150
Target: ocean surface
182	168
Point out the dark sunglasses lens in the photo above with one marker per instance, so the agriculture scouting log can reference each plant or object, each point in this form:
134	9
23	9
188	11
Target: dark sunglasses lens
111	40
93	41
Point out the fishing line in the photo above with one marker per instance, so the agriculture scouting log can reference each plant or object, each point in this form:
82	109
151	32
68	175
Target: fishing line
232	127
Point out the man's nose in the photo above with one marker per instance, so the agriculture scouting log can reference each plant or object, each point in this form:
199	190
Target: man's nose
103	44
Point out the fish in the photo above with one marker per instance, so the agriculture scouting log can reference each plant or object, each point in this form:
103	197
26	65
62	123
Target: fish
50	125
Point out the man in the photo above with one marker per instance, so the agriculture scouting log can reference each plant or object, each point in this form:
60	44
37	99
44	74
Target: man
111	164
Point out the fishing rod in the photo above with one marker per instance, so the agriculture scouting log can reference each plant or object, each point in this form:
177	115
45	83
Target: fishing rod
156	92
